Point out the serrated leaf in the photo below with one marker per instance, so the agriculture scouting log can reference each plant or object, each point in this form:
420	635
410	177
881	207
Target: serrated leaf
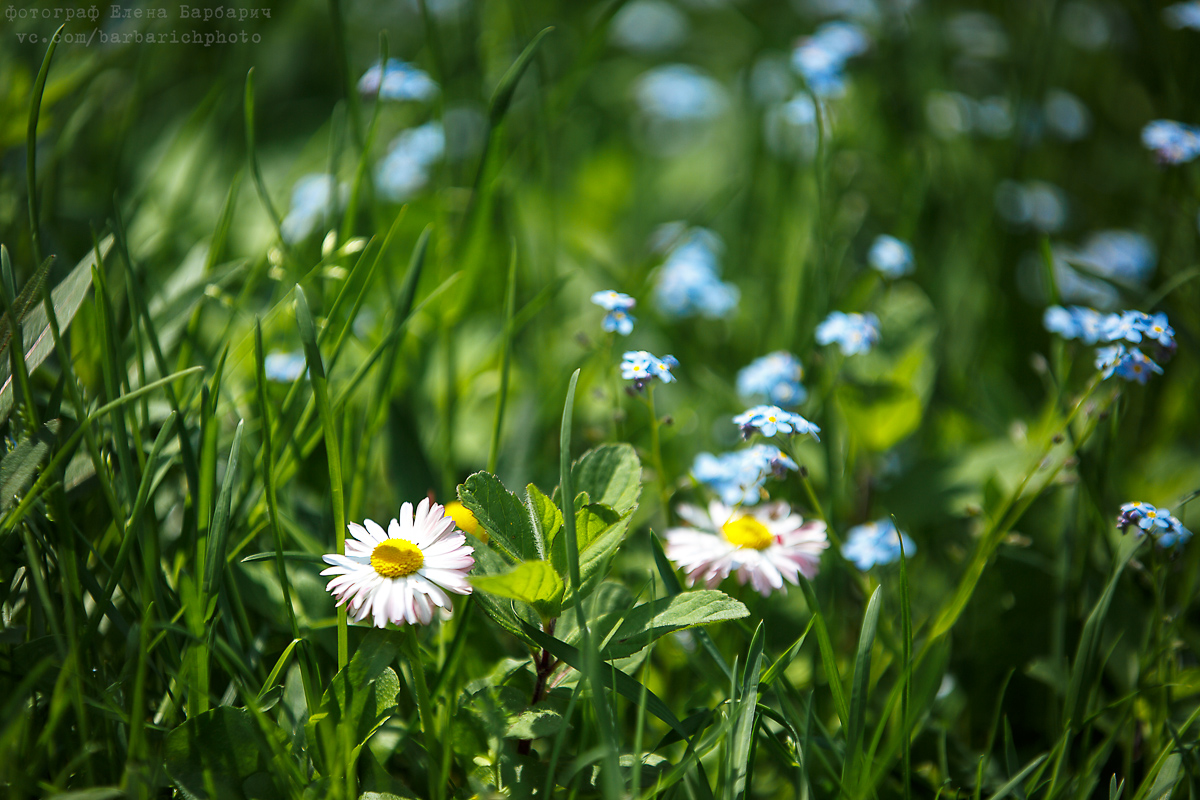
547	520
506	613
373	688
216	750
502	515
611	474
532	582
534	723
650	621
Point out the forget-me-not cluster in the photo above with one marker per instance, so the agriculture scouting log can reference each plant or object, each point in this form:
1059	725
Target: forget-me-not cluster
775	377
689	281
737	477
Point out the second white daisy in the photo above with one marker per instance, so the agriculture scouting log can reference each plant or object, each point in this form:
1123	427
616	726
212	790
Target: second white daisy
398	575
765	545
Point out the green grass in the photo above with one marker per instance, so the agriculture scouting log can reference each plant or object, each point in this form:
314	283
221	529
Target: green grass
166	497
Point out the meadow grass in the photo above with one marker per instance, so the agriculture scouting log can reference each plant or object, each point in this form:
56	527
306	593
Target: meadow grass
251	300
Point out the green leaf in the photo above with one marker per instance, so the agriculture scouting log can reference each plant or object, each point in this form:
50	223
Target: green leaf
860	688
650	621
610	677
881	415
18	467
533	582
502	515
506	613
547	520
372	687
216	750
611	474
534	723
38	342
600	532
1168	776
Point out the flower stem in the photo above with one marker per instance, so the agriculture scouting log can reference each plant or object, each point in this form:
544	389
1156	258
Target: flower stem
425	710
656	456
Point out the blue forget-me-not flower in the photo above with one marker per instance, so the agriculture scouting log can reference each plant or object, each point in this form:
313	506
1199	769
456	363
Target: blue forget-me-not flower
875	543
1172	142
689	281
311	203
738	476
642	367
405	169
891	256
399	80
854	333
617	305
821	58
776	377
769	420
1158	522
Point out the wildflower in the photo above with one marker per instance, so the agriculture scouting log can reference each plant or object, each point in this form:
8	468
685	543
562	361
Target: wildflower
399	80
1156	328
405	169
738	477
689	282
616	304
611	300
1127	325
854	333
465	520
776	377
876	543
284	367
1120	254
648	26
642	367
312	197
1130	364
1183	15
1066	115
401	573
821	58
891	256
679	92
765	546
769	420
1034	204
1075	322
1172	142
1158	522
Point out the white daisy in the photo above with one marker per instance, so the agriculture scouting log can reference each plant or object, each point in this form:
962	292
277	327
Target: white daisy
401	573
765	545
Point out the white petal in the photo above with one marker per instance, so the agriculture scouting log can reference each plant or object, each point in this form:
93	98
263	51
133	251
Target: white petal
375	530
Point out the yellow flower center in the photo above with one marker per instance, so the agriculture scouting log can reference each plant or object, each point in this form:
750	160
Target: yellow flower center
747	532
396	558
771	418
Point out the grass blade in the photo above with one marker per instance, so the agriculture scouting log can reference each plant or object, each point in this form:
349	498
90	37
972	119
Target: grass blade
312	354
35	111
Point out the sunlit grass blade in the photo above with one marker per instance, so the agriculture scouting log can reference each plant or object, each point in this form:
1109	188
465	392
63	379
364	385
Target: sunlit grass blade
312	355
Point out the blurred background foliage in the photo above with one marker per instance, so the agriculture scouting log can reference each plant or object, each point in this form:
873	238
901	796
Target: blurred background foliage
979	132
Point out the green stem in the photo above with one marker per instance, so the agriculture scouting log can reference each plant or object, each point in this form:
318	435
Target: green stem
664	495
425	710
